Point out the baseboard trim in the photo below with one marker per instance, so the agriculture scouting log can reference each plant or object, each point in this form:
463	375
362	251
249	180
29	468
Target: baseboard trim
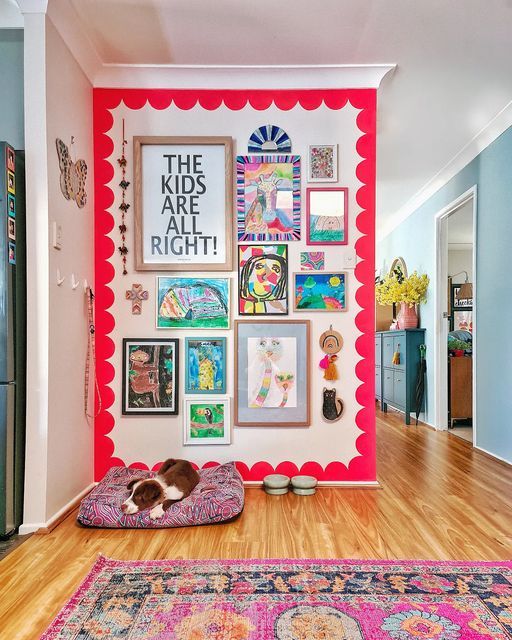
493	456
250	484
43	528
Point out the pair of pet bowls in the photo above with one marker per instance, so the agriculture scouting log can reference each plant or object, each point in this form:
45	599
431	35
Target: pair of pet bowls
277	484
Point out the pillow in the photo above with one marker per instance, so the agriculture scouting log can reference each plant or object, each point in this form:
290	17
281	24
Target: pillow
218	497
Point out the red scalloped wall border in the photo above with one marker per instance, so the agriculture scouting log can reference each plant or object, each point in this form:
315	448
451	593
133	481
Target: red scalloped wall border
361	468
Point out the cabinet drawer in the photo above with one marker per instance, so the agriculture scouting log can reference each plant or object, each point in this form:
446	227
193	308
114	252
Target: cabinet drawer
400	346
378	383
387	351
399	387
387	385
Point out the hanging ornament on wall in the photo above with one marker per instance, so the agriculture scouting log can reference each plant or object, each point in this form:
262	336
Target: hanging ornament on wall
137	295
124	206
72	174
270	139
332	407
331	343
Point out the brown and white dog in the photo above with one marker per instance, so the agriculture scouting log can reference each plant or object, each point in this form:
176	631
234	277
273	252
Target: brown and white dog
174	481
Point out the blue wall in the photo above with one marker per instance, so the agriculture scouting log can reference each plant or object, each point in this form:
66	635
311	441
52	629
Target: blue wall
414	239
11	87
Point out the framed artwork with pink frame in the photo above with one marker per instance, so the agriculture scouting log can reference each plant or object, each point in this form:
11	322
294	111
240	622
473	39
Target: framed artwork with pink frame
326	215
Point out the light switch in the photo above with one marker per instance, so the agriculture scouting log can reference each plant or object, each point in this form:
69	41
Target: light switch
56	235
350	259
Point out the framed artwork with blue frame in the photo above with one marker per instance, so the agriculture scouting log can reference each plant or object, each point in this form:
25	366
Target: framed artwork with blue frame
205	365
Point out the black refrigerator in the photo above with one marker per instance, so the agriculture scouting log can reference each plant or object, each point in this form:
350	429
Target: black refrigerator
12	337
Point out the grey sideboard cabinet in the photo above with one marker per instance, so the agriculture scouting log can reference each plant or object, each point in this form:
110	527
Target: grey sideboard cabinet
395	384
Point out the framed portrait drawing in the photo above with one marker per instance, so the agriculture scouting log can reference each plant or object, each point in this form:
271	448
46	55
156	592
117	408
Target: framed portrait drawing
183	203
192	303
268	198
263	279
320	291
272	366
205	365
150	376
323	163
207	421
327	215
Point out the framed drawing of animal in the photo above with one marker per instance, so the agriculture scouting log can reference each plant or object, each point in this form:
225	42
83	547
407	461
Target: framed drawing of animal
327	215
150	376
207	421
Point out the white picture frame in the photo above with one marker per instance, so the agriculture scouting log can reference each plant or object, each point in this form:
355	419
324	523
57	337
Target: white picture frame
197	421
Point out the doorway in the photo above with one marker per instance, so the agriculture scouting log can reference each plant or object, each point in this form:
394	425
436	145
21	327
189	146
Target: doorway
455	371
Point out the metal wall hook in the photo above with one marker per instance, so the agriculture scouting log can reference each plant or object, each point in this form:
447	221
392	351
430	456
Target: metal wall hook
74	283
60	279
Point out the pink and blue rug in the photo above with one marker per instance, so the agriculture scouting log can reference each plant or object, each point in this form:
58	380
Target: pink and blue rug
289	600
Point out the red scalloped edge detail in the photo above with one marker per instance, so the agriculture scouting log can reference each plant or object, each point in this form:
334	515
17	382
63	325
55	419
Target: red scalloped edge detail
362	468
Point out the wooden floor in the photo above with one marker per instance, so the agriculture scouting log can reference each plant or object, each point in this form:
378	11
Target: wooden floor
440	499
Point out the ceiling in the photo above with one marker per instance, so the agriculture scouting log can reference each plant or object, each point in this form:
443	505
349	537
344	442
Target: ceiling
453	63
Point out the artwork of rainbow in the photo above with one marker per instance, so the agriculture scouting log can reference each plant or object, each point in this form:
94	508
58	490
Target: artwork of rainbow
312	260
192	303
320	291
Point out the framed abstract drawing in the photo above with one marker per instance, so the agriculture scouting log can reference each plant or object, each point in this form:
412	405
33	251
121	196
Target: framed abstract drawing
263	279
272	365
205	365
323	163
268	198
320	291
207	421
192	303
183	203
326	215
150	376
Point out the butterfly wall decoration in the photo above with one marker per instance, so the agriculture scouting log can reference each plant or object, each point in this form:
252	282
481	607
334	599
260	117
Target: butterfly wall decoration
72	175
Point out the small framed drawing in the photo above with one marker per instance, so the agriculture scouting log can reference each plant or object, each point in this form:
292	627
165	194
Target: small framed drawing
150	376
205	365
263	279
268	198
320	291
326	215
183	203
323	163
207	421
272	367
192	303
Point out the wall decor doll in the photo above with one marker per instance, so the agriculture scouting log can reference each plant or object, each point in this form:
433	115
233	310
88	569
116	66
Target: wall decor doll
331	343
332	407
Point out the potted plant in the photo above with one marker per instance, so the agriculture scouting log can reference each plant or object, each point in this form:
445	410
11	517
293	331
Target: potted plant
408	291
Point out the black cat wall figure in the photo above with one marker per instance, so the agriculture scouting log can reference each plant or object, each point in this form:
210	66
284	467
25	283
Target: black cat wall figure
332	407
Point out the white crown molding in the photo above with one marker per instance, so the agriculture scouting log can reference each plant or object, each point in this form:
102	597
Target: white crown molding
10	15
33	6
488	134
242	76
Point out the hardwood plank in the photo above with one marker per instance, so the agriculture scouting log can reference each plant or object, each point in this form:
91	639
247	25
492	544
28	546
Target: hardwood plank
440	499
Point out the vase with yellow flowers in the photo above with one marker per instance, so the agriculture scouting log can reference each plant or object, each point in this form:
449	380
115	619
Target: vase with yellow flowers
406	291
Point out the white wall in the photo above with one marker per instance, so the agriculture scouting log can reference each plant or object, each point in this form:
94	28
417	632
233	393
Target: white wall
460	260
151	439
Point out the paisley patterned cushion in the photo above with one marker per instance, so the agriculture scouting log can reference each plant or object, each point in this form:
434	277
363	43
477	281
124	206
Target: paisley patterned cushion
218	497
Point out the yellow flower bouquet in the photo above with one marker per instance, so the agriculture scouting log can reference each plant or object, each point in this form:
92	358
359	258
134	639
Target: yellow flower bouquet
411	290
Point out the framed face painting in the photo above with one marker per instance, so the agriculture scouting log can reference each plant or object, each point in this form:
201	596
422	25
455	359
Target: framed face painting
323	163
268	198
183	203
326	215
205	365
150	376
263	279
207	421
192	303
272	367
320	291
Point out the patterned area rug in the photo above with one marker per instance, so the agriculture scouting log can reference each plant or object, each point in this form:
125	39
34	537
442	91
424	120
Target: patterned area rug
289	600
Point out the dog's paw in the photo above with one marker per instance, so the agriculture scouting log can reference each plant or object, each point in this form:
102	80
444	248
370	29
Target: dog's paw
156	512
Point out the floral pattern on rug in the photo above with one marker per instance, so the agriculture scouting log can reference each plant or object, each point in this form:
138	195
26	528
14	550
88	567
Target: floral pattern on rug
289	600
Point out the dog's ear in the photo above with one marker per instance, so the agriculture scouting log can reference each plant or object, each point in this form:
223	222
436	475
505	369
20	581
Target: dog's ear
131	483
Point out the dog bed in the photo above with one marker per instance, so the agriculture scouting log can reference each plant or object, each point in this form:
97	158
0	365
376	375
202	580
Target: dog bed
218	497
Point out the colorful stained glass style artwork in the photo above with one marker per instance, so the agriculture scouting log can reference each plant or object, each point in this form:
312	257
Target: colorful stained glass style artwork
320	291
323	163
272	372
207	422
205	365
150	376
263	279
312	260
326	215
268	198
269	138
192	303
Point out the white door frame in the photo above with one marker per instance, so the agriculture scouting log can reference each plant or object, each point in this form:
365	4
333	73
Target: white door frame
441	305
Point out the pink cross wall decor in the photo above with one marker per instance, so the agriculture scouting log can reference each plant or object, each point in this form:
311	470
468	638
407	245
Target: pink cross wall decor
137	295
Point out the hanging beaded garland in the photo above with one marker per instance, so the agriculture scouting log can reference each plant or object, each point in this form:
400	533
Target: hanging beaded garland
124	206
